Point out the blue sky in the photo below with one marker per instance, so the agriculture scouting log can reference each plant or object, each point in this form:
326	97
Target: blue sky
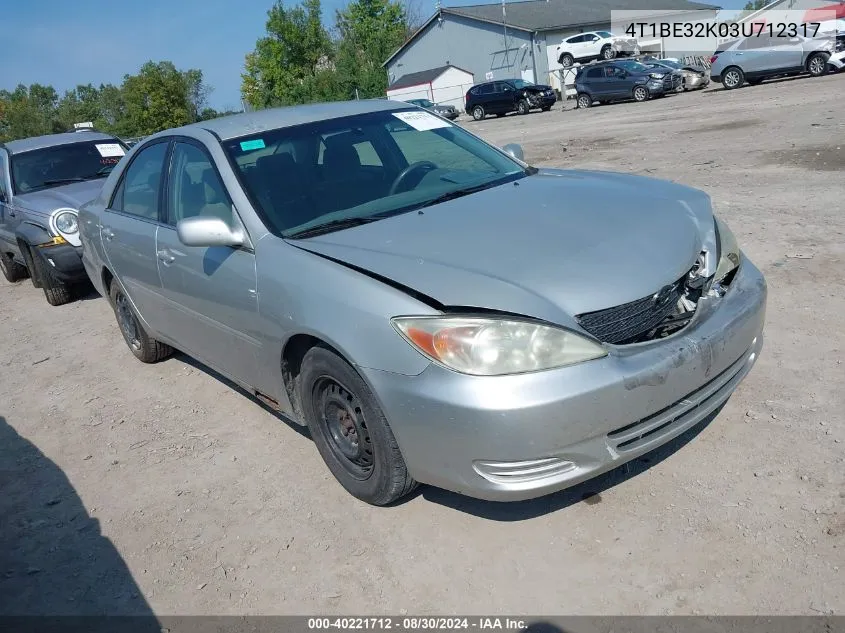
98	41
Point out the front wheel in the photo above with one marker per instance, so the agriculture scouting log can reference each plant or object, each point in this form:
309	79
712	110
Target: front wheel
566	60
817	64
641	94
522	107
144	347
478	113
584	100
608	52
11	270
56	291
733	78
350	430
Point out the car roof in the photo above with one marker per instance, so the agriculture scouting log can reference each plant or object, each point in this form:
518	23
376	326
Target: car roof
246	123
54	140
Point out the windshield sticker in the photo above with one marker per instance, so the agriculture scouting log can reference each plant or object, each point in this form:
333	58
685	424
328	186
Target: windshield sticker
109	149
421	121
248	146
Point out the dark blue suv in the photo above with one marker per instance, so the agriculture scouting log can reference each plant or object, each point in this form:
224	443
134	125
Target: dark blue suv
618	80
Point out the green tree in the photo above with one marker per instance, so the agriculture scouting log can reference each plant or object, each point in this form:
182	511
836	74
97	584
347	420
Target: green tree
159	97
369	31
755	5
288	62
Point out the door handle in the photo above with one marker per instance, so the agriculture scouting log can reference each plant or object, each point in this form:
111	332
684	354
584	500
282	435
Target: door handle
108	233
165	257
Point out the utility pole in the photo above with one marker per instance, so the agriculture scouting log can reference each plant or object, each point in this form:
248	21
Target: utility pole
505	29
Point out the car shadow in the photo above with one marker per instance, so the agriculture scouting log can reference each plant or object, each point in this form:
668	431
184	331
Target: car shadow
193	362
54	560
590	492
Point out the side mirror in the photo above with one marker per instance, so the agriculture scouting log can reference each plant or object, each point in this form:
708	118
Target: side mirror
515	151
199	231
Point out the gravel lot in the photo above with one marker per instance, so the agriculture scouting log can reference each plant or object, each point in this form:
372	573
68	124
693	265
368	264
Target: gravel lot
208	502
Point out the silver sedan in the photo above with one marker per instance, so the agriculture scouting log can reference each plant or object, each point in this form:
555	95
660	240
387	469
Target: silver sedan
433	308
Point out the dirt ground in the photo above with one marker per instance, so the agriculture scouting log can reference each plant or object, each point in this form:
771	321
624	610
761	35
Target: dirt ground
210	503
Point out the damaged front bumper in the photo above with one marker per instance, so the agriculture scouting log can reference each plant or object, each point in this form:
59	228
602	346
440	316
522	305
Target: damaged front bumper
523	436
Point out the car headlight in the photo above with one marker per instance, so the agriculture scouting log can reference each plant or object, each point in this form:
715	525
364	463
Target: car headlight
656	76
485	346
729	253
66	222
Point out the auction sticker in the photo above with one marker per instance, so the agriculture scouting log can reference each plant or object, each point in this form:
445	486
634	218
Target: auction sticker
109	149
248	146
421	121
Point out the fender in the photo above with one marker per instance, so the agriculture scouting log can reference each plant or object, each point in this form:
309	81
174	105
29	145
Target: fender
33	234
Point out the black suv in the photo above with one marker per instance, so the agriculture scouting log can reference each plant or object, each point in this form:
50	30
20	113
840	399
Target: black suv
508	95
621	79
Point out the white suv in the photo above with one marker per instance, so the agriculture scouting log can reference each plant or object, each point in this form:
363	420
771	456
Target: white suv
594	45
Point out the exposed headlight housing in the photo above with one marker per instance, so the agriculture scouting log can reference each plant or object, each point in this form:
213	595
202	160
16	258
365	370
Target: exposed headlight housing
492	346
729	253
656	75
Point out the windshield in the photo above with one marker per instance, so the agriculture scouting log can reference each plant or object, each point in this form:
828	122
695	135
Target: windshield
521	83
362	168
604	34
670	64
633	66
423	103
61	164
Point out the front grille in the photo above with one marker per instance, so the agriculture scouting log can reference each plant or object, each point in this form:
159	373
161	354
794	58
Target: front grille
667	82
628	322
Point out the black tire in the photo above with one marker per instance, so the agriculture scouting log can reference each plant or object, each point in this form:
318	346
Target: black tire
607	52
733	78
12	270
584	100
641	94
350	430
817	64
523	107
144	347
566	60
28	258
56	291
478	113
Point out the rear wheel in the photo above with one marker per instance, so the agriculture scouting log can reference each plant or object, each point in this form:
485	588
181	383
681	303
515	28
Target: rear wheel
584	100
142	345
733	78
56	291
817	64
350	431
522	107
11	270
478	113
641	93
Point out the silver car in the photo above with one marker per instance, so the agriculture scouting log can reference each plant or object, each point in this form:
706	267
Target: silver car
432	307
43	182
753	59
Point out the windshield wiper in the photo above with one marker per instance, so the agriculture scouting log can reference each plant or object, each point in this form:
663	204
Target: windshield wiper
452	195
59	181
333	225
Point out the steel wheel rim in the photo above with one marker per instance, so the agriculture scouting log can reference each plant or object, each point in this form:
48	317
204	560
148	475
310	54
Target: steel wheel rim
816	65
731	78
640	94
126	321
344	426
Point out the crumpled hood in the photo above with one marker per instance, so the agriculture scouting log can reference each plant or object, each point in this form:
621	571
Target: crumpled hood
72	195
550	246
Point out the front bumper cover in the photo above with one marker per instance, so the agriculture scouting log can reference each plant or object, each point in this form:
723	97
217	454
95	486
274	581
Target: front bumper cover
519	437
65	260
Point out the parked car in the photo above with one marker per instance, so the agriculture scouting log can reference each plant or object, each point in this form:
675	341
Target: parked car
432	307
622	79
692	77
586	47
754	59
448	111
508	95
43	182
